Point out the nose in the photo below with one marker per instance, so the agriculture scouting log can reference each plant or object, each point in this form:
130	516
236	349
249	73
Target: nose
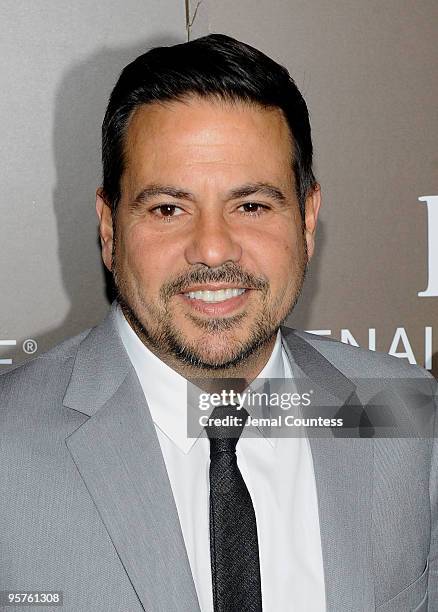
212	241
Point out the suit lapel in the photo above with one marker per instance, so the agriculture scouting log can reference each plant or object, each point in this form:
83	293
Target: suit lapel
344	476
118	455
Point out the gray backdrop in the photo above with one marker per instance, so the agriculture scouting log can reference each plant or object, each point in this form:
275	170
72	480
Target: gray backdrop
368	72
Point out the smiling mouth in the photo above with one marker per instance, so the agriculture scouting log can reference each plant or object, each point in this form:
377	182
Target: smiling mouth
219	295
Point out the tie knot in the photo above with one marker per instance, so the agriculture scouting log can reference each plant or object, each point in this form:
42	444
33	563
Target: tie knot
224	428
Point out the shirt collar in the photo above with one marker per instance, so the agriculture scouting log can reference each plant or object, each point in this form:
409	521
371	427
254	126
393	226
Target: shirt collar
167	396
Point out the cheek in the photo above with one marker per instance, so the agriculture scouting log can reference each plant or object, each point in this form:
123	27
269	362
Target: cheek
276	254
134	252
146	258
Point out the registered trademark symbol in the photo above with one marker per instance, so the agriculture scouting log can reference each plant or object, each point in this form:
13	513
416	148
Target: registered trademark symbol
30	346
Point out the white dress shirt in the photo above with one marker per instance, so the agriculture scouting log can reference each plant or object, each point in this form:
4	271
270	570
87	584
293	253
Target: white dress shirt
277	471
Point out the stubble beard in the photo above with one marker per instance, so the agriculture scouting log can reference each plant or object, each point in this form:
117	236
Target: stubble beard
170	345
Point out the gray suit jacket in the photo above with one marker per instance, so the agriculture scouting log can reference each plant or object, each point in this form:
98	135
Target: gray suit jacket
86	505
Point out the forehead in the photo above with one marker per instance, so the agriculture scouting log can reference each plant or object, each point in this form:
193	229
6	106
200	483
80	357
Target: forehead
198	135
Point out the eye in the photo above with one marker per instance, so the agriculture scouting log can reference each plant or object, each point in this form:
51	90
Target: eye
167	211
253	208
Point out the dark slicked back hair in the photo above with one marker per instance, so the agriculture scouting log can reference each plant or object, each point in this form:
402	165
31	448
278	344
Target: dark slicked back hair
216	66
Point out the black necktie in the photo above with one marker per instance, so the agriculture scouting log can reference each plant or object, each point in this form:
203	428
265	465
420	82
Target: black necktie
234	548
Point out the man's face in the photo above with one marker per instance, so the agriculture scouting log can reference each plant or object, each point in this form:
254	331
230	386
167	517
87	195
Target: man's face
210	249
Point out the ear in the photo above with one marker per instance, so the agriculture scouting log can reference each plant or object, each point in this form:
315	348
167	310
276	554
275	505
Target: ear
103	211
313	203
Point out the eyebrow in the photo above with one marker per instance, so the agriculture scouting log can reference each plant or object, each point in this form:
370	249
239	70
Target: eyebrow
259	188
265	189
152	191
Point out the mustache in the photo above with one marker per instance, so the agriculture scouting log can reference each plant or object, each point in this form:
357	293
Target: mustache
228	273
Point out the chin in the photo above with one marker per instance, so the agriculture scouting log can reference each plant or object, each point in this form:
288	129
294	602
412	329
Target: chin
217	351
215	347
217	332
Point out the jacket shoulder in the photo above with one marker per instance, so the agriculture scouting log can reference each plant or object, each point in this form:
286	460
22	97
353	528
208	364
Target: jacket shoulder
41	376
356	361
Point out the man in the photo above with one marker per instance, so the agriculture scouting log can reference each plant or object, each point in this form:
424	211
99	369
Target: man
207	218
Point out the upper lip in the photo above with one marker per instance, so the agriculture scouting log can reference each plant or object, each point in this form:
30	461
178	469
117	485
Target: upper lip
212	287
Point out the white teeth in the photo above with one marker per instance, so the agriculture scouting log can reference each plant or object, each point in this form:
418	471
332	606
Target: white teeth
215	296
